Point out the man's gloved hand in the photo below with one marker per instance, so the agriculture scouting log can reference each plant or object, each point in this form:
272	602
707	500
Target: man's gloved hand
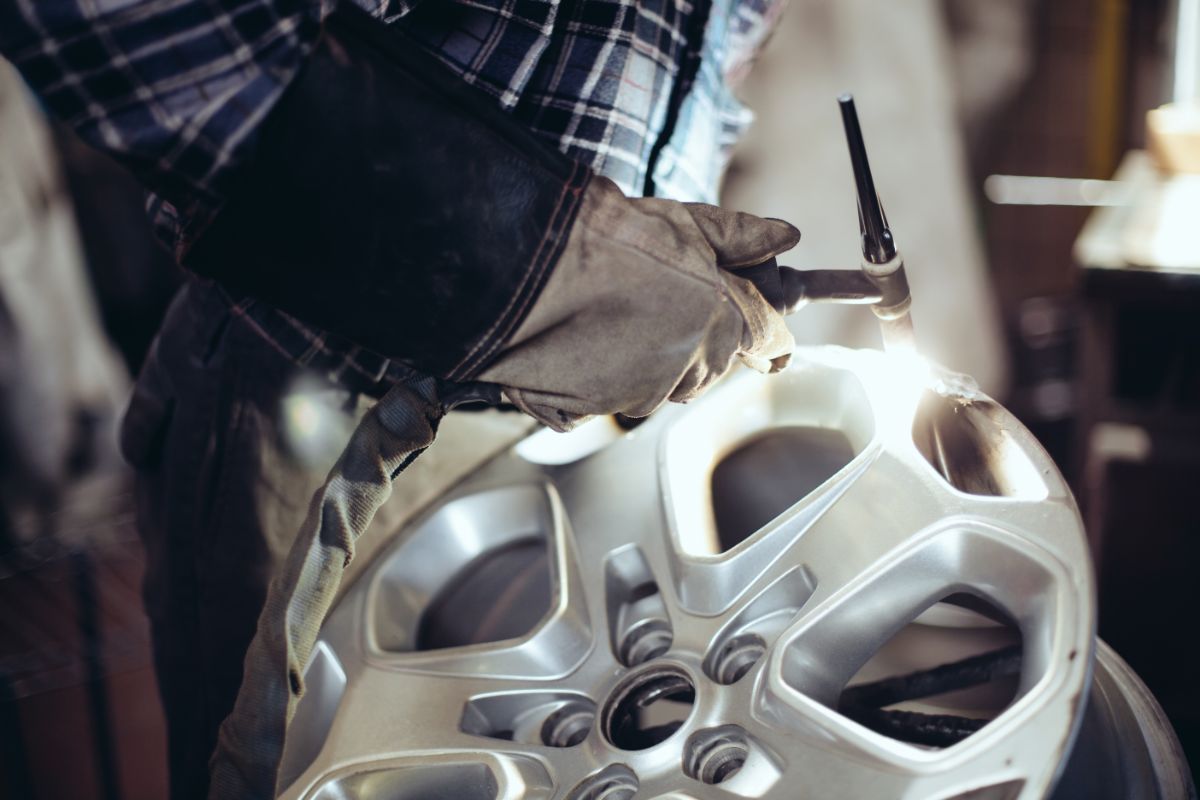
395	206
644	306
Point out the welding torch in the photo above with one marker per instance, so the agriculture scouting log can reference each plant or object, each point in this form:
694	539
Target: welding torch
881	281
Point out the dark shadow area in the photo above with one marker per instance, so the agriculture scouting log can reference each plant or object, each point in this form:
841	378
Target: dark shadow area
938	681
768	473
501	595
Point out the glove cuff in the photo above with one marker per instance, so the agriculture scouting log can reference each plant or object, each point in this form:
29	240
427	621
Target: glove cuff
393	204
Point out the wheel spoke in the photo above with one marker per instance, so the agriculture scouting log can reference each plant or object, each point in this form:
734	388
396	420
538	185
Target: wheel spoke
551	650
435	774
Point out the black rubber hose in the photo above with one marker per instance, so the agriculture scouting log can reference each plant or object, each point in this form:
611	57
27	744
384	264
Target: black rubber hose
934	730
962	674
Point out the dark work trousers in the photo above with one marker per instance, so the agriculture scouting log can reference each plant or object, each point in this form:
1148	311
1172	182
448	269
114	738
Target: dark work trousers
219	500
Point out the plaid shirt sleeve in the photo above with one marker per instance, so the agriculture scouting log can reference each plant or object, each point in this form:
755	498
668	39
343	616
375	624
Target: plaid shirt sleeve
172	88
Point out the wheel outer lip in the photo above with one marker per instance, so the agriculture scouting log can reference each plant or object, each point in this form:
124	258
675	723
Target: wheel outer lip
1038	729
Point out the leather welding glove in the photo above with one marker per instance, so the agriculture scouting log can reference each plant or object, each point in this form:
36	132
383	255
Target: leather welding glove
396	206
644	306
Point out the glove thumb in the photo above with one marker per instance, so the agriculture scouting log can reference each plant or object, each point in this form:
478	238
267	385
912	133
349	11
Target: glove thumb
739	239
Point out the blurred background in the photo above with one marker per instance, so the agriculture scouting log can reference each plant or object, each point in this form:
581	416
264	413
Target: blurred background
1047	207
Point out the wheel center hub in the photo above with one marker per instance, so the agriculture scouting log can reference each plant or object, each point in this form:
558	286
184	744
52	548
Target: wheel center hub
648	707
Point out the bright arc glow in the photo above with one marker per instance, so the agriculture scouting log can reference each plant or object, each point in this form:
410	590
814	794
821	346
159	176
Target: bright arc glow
903	377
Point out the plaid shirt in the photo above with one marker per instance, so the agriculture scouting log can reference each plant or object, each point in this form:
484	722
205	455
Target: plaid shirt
638	90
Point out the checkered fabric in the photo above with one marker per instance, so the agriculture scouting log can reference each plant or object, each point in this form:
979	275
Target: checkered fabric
638	90
172	88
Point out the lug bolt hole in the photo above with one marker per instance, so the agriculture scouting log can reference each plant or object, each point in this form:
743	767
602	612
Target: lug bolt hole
569	725
616	782
716	755
644	641
736	657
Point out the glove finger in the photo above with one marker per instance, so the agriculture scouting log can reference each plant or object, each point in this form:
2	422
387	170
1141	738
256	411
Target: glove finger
740	239
767	278
767	366
689	386
697	380
756	363
780	363
765	338
547	409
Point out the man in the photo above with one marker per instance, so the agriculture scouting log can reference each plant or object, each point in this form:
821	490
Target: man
446	194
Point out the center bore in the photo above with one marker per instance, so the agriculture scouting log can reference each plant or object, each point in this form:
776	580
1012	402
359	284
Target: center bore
648	707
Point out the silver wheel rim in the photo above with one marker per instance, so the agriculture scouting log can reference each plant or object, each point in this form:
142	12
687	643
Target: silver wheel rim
791	613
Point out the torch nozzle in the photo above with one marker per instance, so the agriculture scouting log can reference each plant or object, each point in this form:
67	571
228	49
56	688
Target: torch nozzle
877	244
881	261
